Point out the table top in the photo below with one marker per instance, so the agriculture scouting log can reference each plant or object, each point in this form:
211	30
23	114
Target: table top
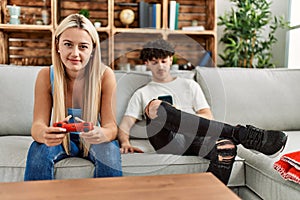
173	186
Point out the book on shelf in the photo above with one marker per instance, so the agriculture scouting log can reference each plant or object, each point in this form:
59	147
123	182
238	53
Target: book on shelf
150	18
153	15
176	15
158	16
149	15
193	28
143	14
173	15
206	60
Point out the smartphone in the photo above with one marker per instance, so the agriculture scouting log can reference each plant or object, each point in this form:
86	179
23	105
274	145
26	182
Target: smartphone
166	98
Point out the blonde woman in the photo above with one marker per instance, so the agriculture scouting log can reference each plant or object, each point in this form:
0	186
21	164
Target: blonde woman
77	87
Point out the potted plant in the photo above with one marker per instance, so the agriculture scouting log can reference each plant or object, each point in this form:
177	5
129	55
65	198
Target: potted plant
85	13
244	35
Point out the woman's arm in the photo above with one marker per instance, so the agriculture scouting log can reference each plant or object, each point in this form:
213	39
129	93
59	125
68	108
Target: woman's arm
108	129
40	130
108	105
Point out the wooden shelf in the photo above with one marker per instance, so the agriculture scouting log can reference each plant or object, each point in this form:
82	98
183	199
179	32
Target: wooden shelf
118	44
25	27
103	29
211	33
138	30
165	31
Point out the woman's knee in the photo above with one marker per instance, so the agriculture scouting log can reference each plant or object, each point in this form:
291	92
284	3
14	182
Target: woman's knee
39	151
107	159
105	152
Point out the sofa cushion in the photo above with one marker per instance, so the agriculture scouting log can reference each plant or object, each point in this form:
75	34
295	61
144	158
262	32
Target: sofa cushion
267	98
127	84
263	179
16	102
13	157
12	167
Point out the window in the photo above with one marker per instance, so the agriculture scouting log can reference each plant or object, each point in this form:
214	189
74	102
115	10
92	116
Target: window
294	35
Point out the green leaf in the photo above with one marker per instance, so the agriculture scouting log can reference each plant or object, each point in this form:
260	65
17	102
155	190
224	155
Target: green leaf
244	33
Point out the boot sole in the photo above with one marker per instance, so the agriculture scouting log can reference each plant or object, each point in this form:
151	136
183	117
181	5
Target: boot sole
276	153
282	148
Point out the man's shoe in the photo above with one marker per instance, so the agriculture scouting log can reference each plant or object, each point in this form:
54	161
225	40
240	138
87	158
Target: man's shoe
267	142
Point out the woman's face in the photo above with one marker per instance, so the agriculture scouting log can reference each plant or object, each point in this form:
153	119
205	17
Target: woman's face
75	47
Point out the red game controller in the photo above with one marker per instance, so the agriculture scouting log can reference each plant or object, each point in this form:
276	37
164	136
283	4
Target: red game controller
75	127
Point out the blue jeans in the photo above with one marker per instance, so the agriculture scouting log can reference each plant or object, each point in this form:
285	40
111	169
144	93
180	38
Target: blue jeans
41	159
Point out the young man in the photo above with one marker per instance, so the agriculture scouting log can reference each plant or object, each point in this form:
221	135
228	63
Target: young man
179	119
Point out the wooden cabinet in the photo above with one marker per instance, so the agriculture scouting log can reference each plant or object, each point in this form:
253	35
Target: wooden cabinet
28	43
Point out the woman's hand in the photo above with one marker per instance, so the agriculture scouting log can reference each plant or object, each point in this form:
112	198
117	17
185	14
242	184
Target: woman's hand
54	135
94	136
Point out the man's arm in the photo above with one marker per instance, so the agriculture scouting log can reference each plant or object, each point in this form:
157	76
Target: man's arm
123	135
205	113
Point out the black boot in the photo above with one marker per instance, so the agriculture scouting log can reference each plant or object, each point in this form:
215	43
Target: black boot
267	142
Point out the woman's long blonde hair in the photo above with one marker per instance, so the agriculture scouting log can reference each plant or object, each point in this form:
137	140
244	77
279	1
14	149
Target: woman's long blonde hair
93	76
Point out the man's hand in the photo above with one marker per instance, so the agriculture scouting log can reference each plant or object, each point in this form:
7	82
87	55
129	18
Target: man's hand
128	148
152	107
123	135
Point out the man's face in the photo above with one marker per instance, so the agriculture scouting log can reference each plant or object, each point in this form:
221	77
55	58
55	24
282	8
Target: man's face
160	68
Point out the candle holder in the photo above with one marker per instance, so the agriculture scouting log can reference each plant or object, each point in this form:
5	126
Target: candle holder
14	12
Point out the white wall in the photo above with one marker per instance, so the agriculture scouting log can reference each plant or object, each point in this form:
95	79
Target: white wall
293	60
279	7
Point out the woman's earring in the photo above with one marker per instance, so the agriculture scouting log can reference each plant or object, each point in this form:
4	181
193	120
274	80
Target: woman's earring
58	51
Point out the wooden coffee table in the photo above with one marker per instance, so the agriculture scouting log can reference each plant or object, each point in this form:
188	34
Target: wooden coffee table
176	186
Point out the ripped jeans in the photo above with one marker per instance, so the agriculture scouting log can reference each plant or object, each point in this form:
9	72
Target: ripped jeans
180	133
41	159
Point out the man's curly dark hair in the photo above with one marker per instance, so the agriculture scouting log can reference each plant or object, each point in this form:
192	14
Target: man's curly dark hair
158	49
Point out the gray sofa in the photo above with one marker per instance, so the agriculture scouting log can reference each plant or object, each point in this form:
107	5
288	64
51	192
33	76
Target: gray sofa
262	97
